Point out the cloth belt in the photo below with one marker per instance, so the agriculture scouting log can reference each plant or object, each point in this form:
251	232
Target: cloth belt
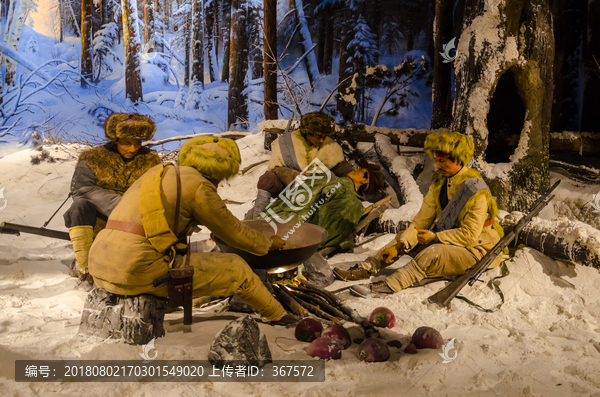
488	222
126	227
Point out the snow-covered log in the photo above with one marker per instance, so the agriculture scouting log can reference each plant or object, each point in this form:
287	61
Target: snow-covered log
515	39
573	141
401	168
559	239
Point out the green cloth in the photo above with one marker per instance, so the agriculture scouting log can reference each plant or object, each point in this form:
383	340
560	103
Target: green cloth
337	213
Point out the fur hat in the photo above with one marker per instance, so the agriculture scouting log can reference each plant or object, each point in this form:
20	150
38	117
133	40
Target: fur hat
212	156
317	123
375	177
129	125
459	146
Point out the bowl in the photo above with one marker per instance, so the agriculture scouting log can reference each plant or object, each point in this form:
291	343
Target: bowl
304	241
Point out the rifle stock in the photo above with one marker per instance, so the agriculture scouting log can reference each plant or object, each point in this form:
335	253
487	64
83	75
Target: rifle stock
449	292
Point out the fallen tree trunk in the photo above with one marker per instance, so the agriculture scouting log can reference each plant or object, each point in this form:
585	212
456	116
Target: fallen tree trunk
561	239
401	169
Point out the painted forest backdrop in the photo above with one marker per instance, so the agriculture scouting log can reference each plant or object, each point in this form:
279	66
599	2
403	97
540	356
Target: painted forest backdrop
218	65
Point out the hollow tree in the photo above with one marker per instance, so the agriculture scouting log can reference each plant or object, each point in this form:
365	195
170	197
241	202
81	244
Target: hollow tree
504	76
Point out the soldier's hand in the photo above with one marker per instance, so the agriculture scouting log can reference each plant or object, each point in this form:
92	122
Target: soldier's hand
425	237
388	255
277	243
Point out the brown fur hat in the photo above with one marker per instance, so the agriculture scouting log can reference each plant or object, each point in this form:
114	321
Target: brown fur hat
129	125
317	123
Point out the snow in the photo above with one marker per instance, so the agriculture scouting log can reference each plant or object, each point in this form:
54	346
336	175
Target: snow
546	334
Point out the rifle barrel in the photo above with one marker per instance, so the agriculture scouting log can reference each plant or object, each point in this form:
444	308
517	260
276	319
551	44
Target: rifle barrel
13	228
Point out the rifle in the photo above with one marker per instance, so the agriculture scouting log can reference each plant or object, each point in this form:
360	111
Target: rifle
444	296
13	228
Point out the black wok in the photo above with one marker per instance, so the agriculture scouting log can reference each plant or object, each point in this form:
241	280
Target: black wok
305	240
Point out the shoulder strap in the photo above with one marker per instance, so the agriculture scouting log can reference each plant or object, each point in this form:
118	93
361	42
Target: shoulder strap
286	147
152	210
449	215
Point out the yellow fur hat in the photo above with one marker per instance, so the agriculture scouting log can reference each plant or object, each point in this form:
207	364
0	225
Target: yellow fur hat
317	123
129	125
212	156
460	146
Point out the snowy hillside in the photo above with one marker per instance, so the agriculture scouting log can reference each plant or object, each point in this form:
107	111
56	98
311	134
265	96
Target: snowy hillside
545	341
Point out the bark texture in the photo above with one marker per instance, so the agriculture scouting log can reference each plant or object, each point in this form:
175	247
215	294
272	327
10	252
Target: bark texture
237	111
497	37
269	57
133	47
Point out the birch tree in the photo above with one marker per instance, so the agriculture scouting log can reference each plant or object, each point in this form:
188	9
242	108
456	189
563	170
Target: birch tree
15	19
442	71
226	29
148	22
133	47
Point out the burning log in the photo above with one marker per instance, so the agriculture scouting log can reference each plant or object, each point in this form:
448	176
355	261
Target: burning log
314	309
289	301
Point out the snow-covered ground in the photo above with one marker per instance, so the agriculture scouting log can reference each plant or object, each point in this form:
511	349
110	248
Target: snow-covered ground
545	341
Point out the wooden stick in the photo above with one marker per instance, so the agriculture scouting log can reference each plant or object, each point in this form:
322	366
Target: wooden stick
314	309
322	304
289	301
370	330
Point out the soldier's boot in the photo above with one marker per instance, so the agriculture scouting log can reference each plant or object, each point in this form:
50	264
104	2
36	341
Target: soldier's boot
356	272
82	238
263	198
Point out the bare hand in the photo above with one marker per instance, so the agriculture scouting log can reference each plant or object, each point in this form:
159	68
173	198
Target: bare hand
277	243
425	237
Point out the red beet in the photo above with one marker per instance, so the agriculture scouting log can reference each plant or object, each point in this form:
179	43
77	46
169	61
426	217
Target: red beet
382	317
339	333
372	351
325	349
395	343
308	330
410	349
427	338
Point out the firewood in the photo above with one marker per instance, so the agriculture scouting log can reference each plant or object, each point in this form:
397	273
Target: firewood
324	305
314	309
289	301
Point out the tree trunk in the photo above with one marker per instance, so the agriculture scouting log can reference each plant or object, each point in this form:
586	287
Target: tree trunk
524	45
345	107
226	39
148	22
14	25
590	117
105	12
87	67
237	111
269	56
132	45
159	23
442	71
186	40
255	38
563	239
61	17
210	22
310	60
216	34
197	61
569	33
135	319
